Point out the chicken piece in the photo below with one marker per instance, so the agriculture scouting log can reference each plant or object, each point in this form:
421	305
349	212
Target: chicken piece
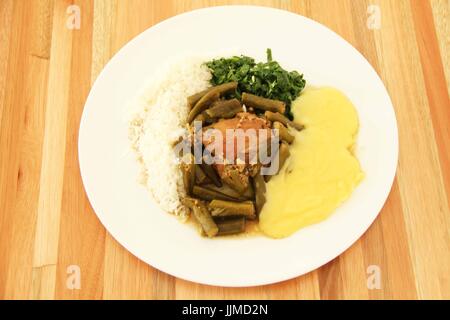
250	138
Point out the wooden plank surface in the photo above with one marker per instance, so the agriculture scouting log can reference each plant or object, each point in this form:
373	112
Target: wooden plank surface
47	224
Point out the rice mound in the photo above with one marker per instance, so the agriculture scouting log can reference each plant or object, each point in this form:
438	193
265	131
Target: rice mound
158	121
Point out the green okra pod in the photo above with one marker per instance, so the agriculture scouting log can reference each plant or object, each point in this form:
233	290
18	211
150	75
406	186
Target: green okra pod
221	208
257	102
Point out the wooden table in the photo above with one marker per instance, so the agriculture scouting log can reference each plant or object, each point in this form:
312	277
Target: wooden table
47	224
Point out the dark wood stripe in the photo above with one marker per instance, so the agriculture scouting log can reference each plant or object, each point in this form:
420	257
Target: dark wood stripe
18	169
330	280
435	83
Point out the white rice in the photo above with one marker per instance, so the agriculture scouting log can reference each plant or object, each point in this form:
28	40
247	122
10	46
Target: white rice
158	122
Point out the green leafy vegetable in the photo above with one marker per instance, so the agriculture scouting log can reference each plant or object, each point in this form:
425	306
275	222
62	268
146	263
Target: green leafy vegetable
265	79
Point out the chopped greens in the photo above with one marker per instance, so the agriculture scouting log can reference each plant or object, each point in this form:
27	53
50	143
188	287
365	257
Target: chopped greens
265	79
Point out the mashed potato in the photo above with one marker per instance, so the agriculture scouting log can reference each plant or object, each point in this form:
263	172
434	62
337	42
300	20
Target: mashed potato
321	172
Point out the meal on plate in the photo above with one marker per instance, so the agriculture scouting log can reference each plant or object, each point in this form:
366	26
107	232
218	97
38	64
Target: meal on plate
241	146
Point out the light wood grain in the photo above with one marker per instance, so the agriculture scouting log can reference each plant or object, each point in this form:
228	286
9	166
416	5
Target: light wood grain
47	224
422	192
53	155
441	17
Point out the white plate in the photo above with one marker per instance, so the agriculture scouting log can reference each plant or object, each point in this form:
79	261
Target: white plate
109	169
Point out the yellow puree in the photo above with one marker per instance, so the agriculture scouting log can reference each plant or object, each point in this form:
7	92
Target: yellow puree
321	172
